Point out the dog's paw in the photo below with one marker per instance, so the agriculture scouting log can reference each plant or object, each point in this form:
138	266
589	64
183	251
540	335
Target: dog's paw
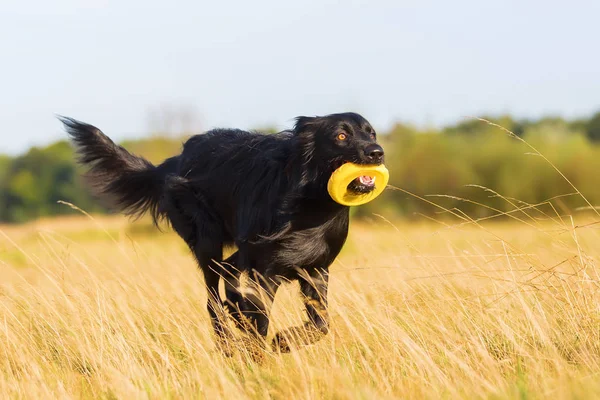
248	347
225	347
280	344
253	348
288	339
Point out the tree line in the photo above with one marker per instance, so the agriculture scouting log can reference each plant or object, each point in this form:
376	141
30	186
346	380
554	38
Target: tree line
471	168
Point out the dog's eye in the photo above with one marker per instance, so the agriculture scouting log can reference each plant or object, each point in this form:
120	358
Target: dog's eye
341	136
373	136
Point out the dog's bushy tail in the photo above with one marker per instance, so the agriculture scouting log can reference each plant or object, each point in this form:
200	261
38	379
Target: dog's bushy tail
130	184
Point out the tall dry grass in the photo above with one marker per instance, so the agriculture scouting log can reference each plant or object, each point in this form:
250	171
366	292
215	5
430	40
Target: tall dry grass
454	310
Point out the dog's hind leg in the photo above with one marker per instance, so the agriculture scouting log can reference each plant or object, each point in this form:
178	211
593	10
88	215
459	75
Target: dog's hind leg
314	291
234	300
209	255
194	220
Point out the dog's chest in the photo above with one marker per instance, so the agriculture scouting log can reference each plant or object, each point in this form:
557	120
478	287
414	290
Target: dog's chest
314	247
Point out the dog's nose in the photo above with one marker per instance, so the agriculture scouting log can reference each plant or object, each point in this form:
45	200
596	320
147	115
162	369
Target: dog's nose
374	153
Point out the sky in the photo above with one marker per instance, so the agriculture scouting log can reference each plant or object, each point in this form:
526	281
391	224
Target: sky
247	64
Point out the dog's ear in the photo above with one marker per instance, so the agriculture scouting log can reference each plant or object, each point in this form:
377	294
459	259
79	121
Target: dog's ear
305	131
305	124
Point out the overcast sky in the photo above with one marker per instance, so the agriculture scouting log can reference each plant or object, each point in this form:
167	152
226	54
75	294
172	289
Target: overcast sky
254	63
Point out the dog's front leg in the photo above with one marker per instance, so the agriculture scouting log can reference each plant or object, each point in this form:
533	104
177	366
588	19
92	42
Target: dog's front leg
258	301
314	291
250	311
252	315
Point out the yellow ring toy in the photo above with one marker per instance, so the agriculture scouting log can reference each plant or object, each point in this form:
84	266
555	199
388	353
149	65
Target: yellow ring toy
344	175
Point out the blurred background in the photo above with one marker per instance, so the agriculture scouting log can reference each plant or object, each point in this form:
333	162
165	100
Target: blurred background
149	74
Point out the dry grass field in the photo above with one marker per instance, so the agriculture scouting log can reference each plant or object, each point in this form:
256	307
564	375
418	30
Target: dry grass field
101	308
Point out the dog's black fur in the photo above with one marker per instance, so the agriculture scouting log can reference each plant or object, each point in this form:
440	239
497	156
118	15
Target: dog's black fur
265	194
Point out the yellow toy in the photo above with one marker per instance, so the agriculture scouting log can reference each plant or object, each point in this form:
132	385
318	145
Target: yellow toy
367	174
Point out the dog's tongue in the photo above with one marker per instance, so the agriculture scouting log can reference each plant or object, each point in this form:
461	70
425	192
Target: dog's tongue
367	180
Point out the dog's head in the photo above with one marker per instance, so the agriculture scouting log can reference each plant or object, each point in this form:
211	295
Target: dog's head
328	142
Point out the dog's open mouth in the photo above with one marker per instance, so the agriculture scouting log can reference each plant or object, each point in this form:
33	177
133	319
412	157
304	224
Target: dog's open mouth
362	184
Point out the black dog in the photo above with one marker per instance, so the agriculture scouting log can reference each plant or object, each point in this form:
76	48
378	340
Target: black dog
265	194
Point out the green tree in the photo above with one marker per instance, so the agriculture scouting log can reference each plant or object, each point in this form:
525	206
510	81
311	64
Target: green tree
37	180
593	128
4	164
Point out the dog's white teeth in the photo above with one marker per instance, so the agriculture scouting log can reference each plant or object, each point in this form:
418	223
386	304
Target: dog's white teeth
367	180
